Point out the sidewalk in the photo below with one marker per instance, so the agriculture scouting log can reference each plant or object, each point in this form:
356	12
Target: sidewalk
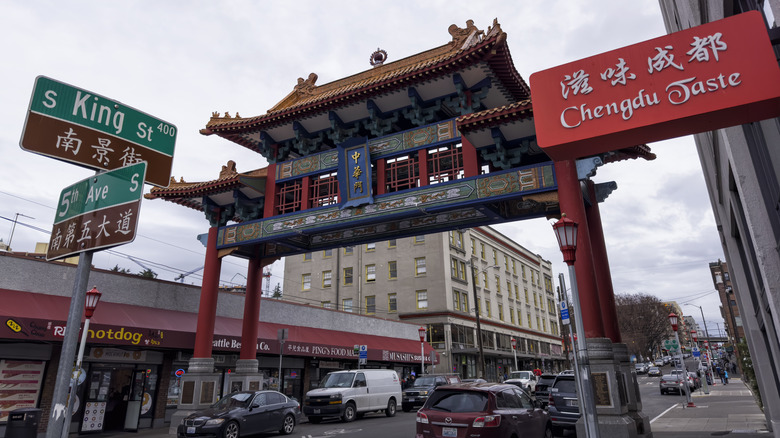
726	409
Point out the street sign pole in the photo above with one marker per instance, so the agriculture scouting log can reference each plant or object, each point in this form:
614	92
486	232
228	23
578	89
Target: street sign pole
58	418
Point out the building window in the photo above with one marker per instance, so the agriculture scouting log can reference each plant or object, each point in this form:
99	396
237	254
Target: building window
464	302
544	324
528	318
482	251
346	305
306	282
445	163
509	288
324	190
487	309
348	276
526	295
517	292
370	305
328	253
519	318
506	262
485	280
495	258
327	278
514	267
326	305
500	312
370	273
348	250
456	238
498	284
522	268
537	323
473	247
401	173
392	304
392	270
307	257
370	247
419	266
512	316
456	300
391	243
422	299
454	268
419	239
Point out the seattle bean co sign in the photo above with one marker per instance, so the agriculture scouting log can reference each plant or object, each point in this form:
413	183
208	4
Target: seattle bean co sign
708	77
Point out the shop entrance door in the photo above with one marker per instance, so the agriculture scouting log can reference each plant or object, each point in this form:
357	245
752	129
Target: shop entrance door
135	400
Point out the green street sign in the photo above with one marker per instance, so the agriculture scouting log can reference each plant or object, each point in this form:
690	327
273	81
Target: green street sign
79	126
98	212
671	344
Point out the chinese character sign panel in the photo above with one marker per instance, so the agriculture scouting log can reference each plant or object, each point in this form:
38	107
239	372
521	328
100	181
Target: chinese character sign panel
712	76
355	173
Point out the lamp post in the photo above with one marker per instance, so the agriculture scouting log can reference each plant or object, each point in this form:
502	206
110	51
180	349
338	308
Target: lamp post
706	346
90	304
566	233
514	350
474	276
421	331
673	321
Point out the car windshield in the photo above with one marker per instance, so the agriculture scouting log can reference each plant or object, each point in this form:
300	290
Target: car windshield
236	400
425	381
338	380
458	401
520	375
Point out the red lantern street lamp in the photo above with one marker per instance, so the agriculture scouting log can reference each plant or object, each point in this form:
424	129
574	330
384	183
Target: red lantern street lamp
566	233
673	321
695	336
514	350
421	331
91	302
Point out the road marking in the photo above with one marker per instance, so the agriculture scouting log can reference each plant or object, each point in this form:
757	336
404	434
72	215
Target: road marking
664	412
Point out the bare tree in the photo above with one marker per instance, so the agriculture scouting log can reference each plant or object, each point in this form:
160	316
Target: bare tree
644	323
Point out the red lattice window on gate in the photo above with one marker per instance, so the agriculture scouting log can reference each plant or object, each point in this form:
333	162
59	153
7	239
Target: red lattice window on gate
445	164
402	173
288	198
324	190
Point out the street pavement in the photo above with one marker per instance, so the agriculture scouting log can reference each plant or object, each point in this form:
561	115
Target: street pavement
727	409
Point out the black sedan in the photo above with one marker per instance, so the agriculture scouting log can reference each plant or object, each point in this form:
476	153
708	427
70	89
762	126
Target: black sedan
243	413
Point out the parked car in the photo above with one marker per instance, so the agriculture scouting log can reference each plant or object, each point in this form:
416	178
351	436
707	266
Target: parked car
542	392
672	383
640	368
695	379
658	362
523	379
485	410
563	404
417	394
243	413
654	372
347	394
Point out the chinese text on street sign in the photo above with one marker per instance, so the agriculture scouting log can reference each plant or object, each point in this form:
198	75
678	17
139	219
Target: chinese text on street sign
98	212
81	127
708	77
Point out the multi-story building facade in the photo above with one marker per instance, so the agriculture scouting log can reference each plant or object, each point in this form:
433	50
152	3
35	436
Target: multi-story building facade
729	310
428	280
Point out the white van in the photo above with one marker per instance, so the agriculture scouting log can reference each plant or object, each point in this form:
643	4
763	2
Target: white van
350	394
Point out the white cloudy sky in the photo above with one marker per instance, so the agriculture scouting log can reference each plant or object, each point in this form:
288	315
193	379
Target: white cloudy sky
181	60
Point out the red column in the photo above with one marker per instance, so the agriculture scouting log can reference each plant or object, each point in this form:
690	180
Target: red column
609	318
251	321
269	208
470	164
422	166
381	174
570	201
207	310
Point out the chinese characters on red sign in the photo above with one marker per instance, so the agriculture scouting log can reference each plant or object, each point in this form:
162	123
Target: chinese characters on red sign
719	74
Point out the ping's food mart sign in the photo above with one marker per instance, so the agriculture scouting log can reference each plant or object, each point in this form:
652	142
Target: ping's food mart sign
708	77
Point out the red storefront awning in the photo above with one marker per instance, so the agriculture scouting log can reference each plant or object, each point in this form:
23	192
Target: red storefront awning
39	317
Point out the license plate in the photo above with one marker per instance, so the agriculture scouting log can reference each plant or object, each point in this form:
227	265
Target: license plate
190	430
316	411
574	403
449	431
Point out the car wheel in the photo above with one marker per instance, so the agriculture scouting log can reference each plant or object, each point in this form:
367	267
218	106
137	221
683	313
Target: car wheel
315	420
349	413
288	426
390	410
231	430
548	433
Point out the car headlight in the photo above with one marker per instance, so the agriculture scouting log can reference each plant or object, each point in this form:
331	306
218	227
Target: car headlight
215	421
338	395
423	392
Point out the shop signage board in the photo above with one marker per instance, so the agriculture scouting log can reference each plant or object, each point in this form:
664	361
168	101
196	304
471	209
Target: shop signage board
84	128
712	76
98	212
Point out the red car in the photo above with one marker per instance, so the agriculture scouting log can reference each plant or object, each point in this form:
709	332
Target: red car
483	410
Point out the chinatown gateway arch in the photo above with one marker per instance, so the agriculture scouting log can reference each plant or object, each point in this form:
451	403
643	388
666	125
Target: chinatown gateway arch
441	140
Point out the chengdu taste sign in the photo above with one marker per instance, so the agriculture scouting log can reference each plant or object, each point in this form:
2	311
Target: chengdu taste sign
712	76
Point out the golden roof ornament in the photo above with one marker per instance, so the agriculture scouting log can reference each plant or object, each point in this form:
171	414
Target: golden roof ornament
378	57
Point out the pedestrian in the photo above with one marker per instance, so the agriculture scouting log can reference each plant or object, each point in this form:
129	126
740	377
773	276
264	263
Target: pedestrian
733	367
717	371
725	377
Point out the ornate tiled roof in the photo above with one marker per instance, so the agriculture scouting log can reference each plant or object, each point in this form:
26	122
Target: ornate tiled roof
469	46
190	194
492	116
